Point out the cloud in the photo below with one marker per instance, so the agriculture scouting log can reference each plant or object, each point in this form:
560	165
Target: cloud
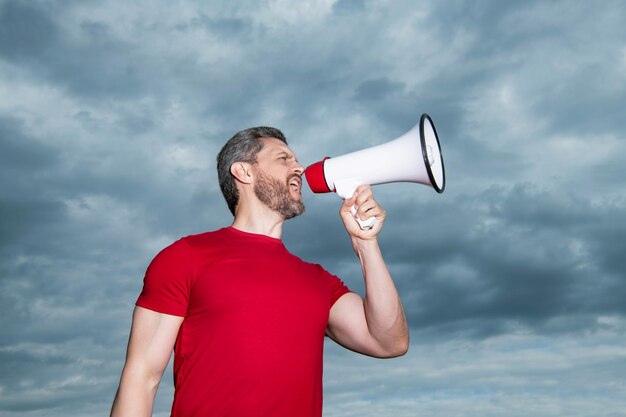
533	257
26	32
509	375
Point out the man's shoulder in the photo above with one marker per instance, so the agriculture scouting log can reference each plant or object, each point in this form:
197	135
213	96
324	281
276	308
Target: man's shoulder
204	239
310	266
189	247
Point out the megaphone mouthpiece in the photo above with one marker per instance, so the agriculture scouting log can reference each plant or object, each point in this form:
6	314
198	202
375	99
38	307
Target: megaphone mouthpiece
314	174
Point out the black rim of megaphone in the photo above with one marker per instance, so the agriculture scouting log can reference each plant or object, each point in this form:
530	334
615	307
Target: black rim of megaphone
425	154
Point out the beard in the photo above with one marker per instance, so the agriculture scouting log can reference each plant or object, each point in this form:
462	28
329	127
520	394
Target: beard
275	195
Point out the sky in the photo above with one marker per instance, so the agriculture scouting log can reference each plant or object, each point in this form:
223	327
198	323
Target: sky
513	279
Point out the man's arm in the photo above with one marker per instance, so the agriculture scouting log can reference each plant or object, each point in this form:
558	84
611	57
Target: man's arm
377	325
152	339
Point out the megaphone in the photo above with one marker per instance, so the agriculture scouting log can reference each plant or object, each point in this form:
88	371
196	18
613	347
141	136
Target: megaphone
413	157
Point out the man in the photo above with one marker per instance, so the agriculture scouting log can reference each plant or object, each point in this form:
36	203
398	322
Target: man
246	318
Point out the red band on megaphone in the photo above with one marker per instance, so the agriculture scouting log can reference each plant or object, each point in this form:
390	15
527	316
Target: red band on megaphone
315	177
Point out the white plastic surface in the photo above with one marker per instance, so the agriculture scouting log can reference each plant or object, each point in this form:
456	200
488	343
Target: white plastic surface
345	189
397	161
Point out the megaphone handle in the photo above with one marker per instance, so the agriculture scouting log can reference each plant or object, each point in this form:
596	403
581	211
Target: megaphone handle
345	189
364	224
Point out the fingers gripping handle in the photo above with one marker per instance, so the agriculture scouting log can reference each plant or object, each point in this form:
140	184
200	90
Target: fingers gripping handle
345	189
364	224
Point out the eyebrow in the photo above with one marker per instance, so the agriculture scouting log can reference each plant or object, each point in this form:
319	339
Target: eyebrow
287	154
284	153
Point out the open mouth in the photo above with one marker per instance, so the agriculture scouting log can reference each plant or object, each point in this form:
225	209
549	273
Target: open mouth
295	184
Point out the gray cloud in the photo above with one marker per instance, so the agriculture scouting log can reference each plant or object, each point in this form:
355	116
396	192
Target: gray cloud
26	31
535	257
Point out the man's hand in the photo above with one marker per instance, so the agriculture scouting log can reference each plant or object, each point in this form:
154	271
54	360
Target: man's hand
366	207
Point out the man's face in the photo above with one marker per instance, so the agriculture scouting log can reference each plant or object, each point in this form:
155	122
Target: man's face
279	183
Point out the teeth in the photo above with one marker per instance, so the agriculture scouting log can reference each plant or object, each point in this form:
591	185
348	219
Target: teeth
295	184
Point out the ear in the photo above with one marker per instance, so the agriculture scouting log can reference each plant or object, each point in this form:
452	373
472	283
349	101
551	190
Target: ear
242	171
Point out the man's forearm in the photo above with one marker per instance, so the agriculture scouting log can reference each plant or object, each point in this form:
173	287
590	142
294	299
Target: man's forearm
135	395
385	316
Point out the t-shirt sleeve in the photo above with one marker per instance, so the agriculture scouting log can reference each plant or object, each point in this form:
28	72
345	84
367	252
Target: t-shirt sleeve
167	281
336	285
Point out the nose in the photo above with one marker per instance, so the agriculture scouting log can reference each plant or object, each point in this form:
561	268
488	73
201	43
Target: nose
298	169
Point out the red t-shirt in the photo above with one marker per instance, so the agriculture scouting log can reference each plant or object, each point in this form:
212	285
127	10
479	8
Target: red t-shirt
251	343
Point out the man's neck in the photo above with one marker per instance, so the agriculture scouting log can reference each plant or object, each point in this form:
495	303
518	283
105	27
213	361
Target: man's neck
262	221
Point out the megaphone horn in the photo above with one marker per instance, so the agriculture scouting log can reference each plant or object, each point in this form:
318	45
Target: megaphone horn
413	157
